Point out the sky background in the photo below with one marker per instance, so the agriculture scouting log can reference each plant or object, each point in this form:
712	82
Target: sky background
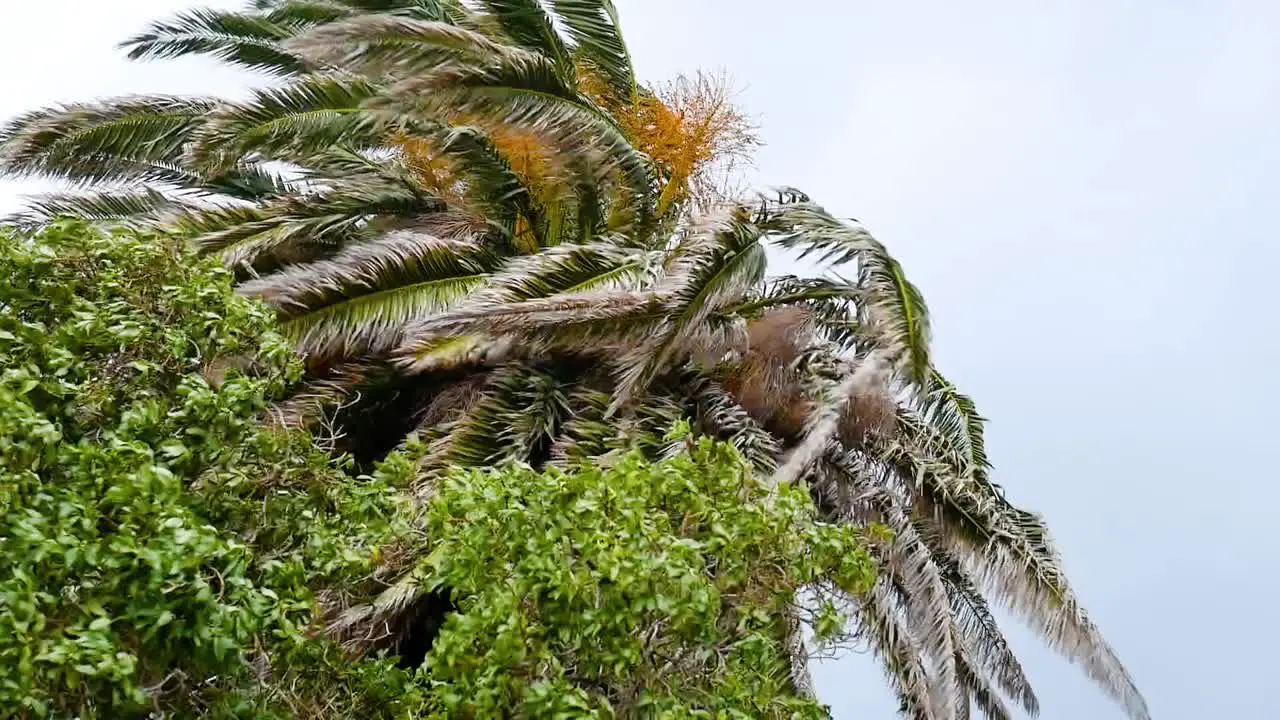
1085	191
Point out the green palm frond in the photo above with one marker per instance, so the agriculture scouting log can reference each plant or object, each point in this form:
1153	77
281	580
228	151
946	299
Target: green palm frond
296	14
454	12
457	351
529	26
823	426
893	311
788	290
587	433
243	235
475	437
319	397
976	688
490	181
374	322
585	321
400	257
361	299
527	94
721	415
147	205
305	117
539	407
250	182
136	139
831	304
593	26
1007	550
569	269
955	418
397	44
715	265
244	39
910	567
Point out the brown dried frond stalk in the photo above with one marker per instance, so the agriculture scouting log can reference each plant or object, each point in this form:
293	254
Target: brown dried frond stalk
870	412
780	334
764	382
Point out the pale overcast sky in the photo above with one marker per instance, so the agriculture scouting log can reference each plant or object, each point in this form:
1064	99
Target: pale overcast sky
1084	191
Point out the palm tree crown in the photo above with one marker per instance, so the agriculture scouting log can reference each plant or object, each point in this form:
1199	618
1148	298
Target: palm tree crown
485	235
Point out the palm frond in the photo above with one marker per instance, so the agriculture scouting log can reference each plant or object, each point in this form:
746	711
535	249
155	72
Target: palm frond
140	205
980	633
244	39
955	418
454	12
451	352
568	269
831	305
539	407
474	438
378	44
310	404
374	322
1007	550
586	321
824	424
529	26
718	412
362	298
714	266
593	26
909	566
527	95
250	182
976	688
305	117
297	14
889	637
490	182
586	434
397	258
329	219
135	139
893	311
790	290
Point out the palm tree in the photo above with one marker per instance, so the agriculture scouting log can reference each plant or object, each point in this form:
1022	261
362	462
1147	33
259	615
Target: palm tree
491	243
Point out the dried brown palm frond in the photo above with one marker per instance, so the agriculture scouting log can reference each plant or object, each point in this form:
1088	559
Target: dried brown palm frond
770	392
871	412
765	380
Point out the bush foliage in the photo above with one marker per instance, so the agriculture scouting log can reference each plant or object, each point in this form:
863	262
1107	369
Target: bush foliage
660	588
168	552
160	543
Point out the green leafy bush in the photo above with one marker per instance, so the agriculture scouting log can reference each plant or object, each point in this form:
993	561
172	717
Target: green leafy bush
643	589
165	551
159	543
